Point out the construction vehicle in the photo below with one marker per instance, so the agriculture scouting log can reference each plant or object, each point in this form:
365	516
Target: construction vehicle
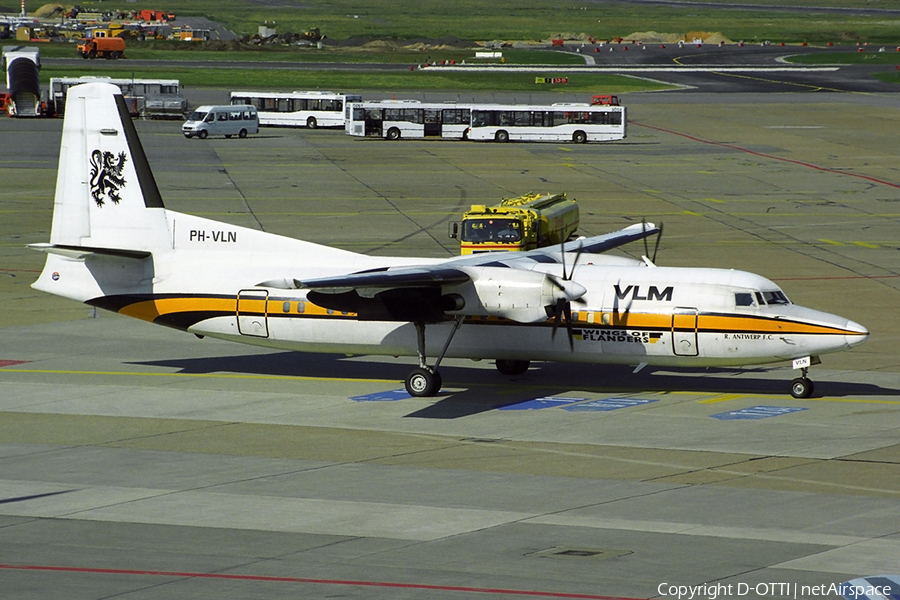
99	44
524	223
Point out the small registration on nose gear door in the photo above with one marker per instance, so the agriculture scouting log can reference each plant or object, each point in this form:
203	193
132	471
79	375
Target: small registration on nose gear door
252	317
684	331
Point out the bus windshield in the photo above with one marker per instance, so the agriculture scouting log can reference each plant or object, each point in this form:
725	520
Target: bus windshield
492	230
197	116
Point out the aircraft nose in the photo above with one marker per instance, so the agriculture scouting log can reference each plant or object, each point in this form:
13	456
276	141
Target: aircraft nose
859	334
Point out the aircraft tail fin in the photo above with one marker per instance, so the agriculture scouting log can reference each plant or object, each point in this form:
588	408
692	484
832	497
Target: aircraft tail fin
106	196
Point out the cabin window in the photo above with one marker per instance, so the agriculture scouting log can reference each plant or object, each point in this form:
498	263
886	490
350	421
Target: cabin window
759	298
743	299
301	306
286	307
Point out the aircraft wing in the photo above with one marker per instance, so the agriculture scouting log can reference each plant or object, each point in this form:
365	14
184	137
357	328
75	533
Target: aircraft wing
462	285
386	278
551	254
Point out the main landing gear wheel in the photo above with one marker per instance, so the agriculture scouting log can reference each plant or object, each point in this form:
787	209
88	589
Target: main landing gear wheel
512	367
426	381
802	387
423	383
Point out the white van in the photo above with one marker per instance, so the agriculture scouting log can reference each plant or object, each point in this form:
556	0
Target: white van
221	120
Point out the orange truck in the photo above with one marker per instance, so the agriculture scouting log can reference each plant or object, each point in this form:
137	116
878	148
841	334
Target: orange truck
102	46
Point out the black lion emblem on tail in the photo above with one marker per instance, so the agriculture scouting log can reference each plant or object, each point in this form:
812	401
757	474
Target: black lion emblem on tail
106	176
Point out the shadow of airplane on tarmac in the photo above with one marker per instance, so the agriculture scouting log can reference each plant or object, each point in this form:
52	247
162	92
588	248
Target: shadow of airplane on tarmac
484	389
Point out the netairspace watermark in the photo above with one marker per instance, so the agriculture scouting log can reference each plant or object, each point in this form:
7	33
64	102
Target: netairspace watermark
712	591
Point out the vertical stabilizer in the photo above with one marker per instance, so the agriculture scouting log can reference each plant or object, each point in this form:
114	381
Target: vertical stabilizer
106	196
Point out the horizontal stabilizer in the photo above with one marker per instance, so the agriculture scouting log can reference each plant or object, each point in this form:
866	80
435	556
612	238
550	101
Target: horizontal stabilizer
80	252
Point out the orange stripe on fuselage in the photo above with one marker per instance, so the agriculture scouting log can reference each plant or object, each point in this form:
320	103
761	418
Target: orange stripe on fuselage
150	310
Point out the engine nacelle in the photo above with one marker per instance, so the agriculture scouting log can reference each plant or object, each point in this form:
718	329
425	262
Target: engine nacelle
519	295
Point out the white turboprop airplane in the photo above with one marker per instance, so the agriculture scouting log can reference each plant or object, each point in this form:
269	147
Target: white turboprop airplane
115	246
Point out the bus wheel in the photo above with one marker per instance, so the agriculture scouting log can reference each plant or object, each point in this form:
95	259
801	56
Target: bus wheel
114	55
393	134
501	136
92	53
188	135
579	137
202	134
242	133
312	123
228	136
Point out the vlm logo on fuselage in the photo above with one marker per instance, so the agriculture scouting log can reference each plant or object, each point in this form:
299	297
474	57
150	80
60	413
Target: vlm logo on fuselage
653	293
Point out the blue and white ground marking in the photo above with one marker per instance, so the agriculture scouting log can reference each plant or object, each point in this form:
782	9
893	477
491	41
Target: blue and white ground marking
874	587
539	403
388	396
607	404
756	412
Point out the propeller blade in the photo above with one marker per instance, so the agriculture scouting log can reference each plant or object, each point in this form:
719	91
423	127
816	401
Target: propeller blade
557	316
562	258
568	315
578	252
658	238
644	231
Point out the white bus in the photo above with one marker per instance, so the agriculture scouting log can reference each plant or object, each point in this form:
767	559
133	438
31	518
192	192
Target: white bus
395	119
151	98
297	109
560	122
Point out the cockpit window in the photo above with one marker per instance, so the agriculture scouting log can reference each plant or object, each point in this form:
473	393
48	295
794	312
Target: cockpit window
743	299
775	297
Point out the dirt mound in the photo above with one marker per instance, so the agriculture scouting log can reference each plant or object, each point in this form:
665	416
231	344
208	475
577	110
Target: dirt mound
381	44
707	37
50	10
655	37
570	37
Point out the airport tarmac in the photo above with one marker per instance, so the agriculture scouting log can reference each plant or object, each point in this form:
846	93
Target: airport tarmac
141	462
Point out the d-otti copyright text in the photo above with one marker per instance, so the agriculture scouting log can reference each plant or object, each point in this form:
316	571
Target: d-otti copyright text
711	591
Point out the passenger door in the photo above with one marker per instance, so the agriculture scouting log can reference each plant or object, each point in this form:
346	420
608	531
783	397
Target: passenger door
252	313
684	331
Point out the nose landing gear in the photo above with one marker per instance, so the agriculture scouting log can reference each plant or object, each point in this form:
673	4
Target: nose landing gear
803	387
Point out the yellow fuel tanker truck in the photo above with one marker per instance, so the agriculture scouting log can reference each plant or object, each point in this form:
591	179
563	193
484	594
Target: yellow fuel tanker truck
523	223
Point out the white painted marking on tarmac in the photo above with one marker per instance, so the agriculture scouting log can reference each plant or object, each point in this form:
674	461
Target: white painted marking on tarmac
696	529
868	556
